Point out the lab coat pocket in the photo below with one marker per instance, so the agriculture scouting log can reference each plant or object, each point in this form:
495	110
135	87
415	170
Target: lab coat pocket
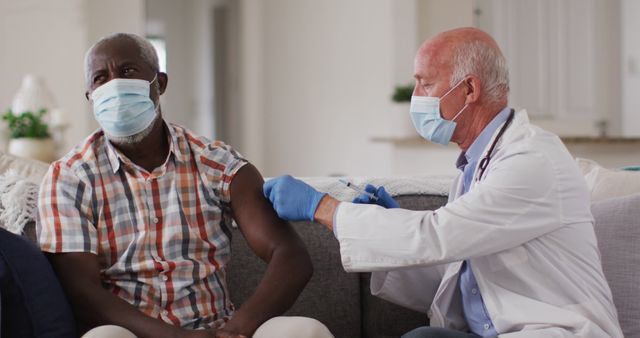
508	258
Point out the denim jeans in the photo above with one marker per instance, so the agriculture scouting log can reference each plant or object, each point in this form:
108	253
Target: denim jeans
436	332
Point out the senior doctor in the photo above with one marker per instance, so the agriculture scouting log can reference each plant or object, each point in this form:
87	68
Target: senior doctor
513	253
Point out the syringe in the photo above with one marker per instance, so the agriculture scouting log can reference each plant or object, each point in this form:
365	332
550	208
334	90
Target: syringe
358	189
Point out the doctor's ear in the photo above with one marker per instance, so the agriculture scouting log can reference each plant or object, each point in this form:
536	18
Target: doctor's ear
472	85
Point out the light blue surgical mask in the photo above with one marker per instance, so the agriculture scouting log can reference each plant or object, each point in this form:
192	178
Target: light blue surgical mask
123	107
425	114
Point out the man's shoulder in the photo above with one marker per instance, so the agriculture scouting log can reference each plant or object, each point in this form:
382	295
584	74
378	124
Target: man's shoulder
85	154
202	147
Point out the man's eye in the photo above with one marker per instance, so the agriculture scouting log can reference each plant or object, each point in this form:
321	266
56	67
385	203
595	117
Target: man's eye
98	79
129	70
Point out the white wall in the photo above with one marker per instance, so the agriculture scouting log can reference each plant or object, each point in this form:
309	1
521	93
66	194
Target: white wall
327	72
49	38
46	38
172	21
630	68
436	16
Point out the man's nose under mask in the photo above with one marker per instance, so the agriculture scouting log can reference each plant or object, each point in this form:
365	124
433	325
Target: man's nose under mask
123	107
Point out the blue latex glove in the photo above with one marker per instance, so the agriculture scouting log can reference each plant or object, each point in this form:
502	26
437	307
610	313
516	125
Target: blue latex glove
384	199
292	199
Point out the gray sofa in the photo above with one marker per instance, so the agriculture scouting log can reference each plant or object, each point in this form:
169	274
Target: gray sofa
343	302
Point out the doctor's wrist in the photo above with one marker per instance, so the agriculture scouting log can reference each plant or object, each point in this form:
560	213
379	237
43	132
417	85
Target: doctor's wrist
326	210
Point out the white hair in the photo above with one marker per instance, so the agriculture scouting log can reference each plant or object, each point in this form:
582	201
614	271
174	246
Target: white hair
487	63
147	52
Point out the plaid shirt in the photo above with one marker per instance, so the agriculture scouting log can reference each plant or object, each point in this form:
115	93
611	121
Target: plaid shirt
162	238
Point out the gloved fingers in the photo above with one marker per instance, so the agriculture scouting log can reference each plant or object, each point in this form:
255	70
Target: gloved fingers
268	186
362	199
381	192
385	199
273	187
370	188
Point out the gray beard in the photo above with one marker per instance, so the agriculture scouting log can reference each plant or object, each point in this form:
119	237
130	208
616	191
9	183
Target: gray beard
135	138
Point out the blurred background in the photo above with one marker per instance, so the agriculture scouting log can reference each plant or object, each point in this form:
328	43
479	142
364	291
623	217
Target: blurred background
306	87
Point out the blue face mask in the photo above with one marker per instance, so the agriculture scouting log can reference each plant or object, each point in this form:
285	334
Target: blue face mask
425	114
123	107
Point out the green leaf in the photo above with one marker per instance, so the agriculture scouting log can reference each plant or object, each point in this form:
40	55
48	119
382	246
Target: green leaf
27	124
403	93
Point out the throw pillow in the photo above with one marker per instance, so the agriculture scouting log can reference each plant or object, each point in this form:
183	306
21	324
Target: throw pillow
617	225
32	169
18	201
607	183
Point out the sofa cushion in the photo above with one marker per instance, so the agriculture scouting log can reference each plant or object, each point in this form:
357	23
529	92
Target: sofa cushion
617	225
33	303
606	183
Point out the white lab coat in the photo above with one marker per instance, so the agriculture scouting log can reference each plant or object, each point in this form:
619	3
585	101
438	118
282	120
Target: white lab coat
526	229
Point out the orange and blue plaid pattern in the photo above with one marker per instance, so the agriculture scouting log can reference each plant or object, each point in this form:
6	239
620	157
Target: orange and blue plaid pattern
162	238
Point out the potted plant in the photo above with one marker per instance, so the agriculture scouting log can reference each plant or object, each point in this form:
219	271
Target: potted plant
401	121
29	135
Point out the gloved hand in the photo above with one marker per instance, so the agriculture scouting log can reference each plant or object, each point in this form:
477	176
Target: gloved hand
384	199
292	199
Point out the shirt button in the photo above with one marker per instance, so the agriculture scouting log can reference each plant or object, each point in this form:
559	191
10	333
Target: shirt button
165	312
474	291
156	220
486	326
164	278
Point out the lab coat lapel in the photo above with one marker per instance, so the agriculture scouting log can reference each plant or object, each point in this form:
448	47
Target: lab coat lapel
519	119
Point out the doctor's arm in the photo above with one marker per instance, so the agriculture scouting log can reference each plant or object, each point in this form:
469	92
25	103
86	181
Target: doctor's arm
516	203
275	242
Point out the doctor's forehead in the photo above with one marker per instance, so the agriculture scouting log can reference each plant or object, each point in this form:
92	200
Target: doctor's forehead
429	69
432	61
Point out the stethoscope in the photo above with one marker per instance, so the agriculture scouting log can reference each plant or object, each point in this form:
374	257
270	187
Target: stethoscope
485	161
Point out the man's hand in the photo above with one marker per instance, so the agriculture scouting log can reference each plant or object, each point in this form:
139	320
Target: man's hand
384	199
292	199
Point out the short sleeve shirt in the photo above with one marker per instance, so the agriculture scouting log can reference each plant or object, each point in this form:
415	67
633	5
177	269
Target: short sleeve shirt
162	238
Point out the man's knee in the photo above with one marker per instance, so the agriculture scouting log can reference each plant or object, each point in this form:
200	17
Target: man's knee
289	327
109	331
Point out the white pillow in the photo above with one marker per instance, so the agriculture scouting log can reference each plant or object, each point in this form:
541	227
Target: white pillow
31	169
608	183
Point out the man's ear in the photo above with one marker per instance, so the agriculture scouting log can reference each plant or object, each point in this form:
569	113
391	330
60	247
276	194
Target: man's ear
86	95
163	80
473	87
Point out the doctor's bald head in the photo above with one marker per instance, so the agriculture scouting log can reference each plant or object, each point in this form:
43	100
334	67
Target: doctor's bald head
469	51
467	66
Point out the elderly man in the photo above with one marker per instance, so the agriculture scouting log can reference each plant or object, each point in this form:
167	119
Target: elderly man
136	219
513	253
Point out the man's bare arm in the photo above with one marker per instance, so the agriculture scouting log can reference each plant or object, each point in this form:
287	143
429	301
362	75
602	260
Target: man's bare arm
79	274
275	242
